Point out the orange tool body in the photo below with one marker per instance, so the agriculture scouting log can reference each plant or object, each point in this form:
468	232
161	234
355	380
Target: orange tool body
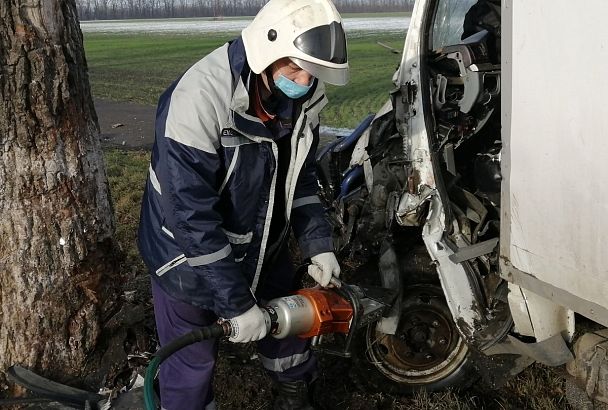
314	312
332	313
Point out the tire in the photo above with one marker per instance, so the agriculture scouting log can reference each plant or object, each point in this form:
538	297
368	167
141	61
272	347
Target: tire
426	353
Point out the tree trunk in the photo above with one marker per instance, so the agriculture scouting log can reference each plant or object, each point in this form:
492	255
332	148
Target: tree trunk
56	219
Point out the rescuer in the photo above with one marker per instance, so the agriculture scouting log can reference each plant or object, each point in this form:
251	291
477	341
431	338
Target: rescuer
232	172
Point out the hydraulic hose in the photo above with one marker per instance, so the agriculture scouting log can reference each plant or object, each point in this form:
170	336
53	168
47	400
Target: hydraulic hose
204	333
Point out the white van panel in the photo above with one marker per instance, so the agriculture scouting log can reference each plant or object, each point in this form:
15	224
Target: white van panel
555	135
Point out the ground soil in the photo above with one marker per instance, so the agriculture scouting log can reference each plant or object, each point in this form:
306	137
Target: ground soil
240	381
131	125
124	124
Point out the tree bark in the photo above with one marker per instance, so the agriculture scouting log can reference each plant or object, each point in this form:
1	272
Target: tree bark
56	219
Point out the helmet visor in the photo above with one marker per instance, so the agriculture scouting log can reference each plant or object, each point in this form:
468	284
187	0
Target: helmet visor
327	43
335	76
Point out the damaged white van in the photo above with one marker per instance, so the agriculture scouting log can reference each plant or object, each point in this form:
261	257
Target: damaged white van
480	188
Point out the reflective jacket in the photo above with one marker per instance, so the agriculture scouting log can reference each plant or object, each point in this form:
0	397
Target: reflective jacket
210	191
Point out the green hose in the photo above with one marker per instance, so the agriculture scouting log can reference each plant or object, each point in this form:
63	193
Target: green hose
149	397
204	333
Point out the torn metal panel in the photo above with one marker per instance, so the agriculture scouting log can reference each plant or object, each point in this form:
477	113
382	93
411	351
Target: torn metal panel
409	107
450	161
552	351
474	251
480	322
461	294
360	156
408	210
539	317
390	278
560	296
519	311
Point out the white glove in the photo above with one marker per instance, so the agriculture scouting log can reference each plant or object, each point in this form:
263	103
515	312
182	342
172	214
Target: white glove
250	326
323	267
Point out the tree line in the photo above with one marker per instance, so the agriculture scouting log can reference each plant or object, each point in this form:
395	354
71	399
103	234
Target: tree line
134	9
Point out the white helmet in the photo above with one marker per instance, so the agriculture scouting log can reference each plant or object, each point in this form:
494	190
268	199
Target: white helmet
309	32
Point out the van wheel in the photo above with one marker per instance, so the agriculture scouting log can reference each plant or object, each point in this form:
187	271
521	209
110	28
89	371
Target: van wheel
426	353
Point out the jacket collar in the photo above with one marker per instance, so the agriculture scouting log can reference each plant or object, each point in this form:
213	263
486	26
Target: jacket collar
241	79
241	76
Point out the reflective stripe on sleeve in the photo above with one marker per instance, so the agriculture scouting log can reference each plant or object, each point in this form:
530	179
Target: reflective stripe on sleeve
154	180
283	363
210	258
236	141
171	264
168	232
235	157
238	239
307	200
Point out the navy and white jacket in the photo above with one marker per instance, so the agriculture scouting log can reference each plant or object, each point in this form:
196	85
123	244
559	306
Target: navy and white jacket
210	192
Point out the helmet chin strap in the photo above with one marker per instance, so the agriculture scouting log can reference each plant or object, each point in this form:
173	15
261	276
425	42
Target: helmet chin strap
276	93
269	80
275	97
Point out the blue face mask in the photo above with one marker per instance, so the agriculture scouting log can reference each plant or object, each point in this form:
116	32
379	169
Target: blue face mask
291	88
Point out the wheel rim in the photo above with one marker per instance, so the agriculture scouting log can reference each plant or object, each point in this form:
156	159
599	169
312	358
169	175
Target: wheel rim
426	346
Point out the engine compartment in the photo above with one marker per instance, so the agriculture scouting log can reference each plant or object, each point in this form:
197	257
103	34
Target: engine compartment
465	81
465	114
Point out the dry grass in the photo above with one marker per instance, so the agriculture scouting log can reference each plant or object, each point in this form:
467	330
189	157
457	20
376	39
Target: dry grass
127	171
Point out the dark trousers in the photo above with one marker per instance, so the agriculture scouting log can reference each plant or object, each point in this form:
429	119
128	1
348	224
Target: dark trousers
186	376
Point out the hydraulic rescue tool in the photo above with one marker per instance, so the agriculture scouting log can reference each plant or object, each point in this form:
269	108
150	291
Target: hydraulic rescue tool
313	312
308	313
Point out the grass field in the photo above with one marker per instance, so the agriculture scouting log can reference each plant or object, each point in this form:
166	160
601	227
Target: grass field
138	67
382	14
344	15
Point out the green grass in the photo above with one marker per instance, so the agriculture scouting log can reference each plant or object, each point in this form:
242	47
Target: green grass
372	68
127	172
380	14
138	67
